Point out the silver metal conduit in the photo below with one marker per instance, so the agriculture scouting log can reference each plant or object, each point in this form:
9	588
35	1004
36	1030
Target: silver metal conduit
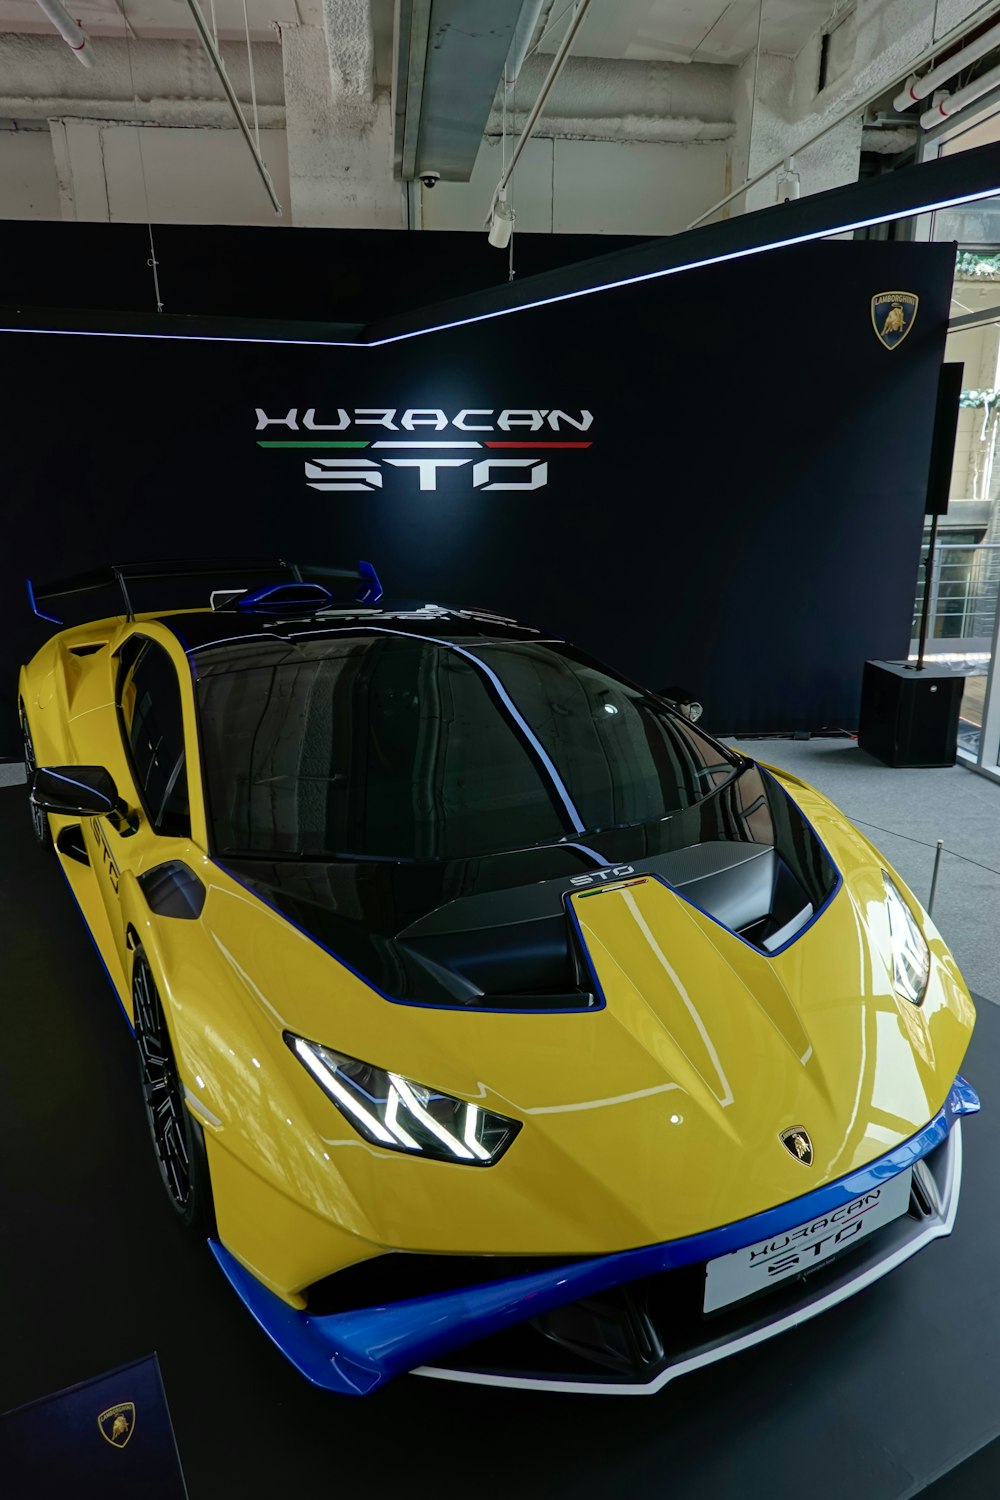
215	57
562	53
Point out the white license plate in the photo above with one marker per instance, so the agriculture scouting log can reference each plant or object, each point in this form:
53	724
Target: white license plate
755	1267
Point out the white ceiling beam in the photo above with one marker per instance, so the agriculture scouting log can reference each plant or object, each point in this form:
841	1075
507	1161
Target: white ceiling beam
612	99
174	83
339	141
350	43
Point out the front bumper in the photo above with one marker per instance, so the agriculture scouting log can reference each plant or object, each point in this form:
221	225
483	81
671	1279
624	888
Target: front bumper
353	1352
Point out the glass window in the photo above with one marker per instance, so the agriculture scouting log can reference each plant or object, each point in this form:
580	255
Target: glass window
381	747
149	707
970	223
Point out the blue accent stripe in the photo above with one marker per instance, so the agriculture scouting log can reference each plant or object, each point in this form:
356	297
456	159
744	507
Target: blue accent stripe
274	598
529	734
353	1352
457	1010
498	1010
371	590
585	849
53	619
766	952
525	728
773	953
570	906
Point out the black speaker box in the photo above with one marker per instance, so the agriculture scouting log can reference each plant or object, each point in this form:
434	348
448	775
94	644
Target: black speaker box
910	718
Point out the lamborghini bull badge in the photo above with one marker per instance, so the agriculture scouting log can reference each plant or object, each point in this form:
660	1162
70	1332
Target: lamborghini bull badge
117	1423
893	315
796	1141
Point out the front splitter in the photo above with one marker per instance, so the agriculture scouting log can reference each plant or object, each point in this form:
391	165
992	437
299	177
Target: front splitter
352	1353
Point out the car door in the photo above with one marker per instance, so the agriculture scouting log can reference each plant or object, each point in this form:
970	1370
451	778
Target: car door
150	721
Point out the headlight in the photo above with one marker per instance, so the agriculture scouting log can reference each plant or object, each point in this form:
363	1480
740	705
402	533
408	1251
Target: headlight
401	1115
911	958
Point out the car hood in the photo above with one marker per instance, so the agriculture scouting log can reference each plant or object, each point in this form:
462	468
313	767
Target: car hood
499	932
658	1112
746	1047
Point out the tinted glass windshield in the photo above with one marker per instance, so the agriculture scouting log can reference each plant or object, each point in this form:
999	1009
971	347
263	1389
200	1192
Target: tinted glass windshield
382	746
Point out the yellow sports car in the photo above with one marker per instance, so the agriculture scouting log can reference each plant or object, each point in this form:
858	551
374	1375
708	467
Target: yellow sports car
493	1021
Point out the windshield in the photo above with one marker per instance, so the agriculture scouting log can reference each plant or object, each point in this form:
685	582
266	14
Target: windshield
389	747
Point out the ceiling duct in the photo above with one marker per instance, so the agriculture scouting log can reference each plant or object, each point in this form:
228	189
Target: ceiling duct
450	57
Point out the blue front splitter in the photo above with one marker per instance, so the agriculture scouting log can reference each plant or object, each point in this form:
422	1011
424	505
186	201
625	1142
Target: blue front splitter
354	1352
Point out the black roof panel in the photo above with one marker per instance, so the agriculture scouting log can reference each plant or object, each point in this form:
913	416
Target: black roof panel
201	630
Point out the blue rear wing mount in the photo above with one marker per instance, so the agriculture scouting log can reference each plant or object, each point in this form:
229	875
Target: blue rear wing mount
264	586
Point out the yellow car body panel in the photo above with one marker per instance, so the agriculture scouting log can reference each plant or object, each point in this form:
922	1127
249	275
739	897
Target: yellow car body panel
653	1118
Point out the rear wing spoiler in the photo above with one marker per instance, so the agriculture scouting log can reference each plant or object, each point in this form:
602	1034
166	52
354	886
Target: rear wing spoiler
253	580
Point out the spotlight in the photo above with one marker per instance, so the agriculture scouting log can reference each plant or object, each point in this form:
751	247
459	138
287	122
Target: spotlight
501	223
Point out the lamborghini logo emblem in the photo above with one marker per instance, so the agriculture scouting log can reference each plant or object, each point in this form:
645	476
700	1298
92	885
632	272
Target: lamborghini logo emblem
117	1424
796	1141
893	315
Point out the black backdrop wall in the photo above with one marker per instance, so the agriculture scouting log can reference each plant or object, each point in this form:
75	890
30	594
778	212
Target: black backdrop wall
746	518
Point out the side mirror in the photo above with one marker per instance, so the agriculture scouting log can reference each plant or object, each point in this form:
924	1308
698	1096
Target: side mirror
684	702
78	791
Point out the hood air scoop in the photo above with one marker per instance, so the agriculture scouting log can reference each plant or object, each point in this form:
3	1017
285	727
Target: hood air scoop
495	933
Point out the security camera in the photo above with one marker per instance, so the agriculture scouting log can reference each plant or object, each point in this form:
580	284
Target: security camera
430	178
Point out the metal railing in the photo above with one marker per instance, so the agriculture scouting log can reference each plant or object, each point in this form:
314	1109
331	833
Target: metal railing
965	584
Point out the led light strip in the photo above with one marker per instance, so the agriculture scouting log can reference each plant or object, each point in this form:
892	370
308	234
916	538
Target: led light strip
502	312
329	1081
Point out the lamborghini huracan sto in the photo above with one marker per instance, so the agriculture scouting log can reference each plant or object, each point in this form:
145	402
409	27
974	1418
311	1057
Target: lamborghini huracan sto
493	1022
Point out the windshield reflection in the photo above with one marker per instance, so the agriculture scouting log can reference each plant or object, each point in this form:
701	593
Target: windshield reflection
391	746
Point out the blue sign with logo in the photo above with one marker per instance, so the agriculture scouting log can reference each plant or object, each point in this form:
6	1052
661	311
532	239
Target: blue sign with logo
110	1436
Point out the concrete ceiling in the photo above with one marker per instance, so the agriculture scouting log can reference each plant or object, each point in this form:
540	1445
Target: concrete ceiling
656	30
358	132
164	18
722	31
171	19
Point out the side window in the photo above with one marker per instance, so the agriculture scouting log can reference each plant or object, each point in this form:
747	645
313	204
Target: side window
149	710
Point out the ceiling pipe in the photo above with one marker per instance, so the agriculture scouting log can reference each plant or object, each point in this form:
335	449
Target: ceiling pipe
989	7
215	57
523	32
916	89
71	31
952	104
562	53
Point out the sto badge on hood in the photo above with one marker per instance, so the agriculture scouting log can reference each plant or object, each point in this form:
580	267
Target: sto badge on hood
796	1141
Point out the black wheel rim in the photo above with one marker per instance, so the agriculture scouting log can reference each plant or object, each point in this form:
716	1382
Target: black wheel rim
38	819
161	1088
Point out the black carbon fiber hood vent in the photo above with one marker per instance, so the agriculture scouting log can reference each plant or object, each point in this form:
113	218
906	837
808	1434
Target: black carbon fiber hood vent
495	932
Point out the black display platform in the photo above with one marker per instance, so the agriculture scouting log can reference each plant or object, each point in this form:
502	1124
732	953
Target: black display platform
876	1400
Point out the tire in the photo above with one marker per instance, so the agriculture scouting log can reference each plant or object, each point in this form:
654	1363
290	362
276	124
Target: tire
177	1138
39	820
